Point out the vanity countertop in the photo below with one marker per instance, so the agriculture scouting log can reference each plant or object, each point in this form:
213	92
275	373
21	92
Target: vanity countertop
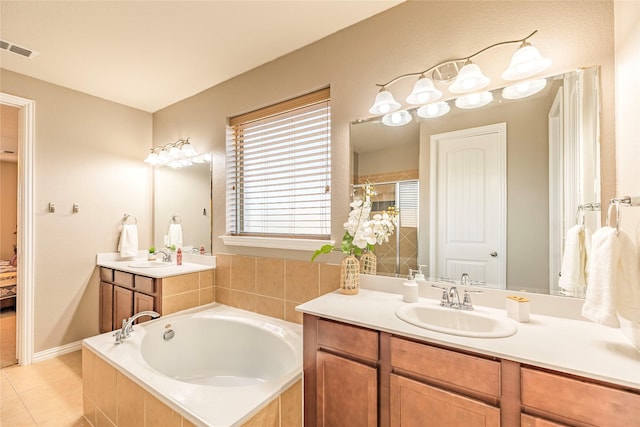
571	346
191	264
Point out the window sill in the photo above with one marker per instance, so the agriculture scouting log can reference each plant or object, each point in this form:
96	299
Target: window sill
276	242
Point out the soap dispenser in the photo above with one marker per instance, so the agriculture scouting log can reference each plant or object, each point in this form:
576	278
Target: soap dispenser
410	288
420	274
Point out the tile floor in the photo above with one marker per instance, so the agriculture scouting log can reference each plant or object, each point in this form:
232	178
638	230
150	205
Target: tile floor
7	336
47	393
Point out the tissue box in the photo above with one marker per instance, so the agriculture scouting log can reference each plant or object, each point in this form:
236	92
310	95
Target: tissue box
518	308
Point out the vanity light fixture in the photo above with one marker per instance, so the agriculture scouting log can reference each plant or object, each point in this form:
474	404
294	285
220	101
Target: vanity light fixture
397	118
176	154
467	77
474	100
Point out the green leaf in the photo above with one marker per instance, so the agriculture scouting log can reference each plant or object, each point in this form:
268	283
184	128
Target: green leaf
325	249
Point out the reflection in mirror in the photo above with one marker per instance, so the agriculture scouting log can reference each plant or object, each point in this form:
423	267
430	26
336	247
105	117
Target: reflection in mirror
551	168
183	198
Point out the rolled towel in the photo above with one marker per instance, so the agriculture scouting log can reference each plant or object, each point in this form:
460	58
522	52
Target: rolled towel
574	260
128	245
175	235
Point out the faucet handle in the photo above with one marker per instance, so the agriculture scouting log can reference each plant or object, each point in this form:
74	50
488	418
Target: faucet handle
444	299
466	302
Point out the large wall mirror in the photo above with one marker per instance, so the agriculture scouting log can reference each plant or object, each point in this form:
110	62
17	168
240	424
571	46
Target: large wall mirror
498	185
182	197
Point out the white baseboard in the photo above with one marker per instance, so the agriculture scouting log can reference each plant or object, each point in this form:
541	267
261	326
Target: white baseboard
56	351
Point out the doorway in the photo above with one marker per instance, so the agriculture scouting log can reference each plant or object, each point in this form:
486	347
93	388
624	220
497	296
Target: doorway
9	123
468	193
25	233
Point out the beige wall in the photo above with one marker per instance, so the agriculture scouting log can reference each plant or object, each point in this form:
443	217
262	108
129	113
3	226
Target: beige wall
627	14
87	151
406	38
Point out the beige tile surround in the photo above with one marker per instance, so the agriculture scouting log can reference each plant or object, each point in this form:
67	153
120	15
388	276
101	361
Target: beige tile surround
272	286
187	291
112	399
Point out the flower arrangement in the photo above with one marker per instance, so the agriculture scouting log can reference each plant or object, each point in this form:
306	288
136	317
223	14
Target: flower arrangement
361	231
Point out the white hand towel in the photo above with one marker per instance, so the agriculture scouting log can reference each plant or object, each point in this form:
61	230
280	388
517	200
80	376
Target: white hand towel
574	260
627	294
600	305
175	235
128	245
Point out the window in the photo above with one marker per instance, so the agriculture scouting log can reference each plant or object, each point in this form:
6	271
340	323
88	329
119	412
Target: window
279	170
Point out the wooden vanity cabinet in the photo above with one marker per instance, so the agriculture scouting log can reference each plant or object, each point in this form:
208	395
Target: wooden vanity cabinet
123	294
341	375
432	386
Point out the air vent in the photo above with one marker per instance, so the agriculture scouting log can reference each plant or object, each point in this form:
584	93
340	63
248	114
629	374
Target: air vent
18	50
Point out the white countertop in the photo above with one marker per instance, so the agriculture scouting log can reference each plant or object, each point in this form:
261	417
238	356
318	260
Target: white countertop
571	346
192	264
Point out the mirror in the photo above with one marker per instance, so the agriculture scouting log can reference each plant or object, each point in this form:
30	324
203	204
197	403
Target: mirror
551	167
183	196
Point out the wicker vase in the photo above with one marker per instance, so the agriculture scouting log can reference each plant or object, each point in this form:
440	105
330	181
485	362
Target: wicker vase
350	275
368	263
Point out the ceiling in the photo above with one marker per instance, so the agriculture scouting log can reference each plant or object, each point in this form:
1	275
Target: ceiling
151	54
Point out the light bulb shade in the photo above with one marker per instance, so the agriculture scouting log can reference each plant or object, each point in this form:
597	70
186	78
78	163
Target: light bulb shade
397	118
525	62
524	89
174	152
474	100
470	79
431	111
152	159
423	92
163	156
384	103
188	150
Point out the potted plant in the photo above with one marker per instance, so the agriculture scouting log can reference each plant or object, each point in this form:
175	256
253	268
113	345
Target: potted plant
152	253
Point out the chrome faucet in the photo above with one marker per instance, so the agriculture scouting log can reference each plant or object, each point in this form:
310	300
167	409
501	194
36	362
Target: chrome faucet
451	297
127	325
166	256
453	292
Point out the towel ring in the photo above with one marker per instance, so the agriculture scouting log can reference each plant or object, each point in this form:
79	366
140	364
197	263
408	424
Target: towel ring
613	203
126	218
175	219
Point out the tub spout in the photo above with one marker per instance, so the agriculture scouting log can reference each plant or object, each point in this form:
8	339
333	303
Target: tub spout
127	325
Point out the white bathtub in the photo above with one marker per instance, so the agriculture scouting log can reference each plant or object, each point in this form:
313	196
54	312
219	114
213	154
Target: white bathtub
219	369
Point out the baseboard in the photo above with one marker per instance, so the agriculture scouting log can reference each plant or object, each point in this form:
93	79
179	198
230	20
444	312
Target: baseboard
56	351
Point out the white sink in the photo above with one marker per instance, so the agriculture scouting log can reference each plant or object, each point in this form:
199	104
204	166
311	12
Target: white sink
150	264
456	322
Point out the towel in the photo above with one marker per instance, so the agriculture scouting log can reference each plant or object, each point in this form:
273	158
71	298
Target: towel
175	235
128	245
613	279
575	259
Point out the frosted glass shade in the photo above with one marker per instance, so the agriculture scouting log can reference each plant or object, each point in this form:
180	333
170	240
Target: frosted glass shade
524	89
525	62
474	100
384	103
423	92
152	159
431	111
397	118
470	79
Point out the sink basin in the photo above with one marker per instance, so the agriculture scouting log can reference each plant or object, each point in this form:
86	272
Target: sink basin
150	264
456	322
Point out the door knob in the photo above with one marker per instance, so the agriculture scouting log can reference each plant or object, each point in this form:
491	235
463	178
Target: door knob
493	254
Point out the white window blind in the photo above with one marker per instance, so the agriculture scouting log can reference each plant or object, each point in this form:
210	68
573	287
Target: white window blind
408	203
279	170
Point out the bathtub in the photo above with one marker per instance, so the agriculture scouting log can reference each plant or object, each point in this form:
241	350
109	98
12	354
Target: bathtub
218	366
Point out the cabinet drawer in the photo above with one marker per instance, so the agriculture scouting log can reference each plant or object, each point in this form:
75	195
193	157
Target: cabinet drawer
145	284
123	279
579	401
352	340
106	274
445	366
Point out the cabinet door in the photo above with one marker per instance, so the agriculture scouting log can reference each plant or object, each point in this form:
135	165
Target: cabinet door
143	302
106	307
531	421
347	392
122	305
417	404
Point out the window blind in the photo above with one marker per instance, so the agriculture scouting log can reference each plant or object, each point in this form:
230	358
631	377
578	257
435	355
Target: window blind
279	170
408	203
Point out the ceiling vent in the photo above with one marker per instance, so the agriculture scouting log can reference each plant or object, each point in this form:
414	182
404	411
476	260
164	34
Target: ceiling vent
18	50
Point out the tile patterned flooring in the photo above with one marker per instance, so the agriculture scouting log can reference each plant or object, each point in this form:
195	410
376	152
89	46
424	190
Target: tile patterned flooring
7	337
47	393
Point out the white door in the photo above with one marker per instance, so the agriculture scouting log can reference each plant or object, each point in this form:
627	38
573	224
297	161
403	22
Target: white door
468	193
